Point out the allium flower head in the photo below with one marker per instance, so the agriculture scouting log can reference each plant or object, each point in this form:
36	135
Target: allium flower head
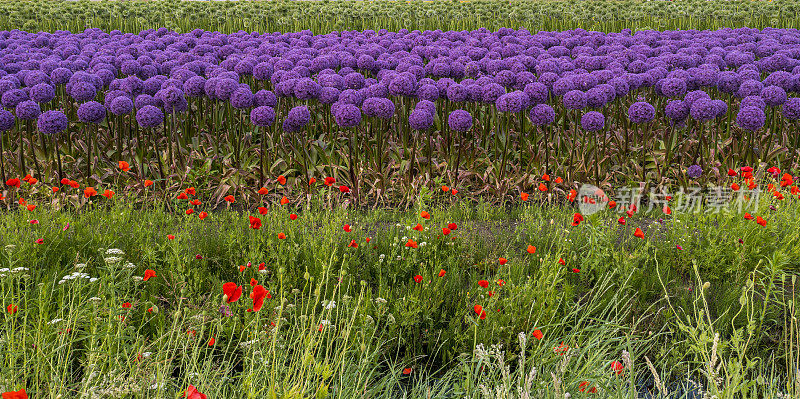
91	112
641	112
459	120
149	116
347	115
262	116
28	110
542	114
52	122
593	121
751	118
297	118
6	120
694	171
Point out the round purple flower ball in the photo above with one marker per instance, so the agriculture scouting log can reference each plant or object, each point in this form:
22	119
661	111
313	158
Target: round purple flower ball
121	105
262	116
42	93
541	115
773	96
52	122
347	115
296	119
641	112
676	110
537	92
753	101
673	87
694	171
28	110
91	112
791	109
516	101
420	119
459	120
83	91
149	116
242	98
427	106
703	110
593	121
12	97
721	108
382	108
6	120
751	118
574	99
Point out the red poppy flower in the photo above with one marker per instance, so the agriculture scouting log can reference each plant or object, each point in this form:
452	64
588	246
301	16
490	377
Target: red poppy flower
255	223
262	266
281	236
761	221
732	172
542	187
127	305
746	169
13	182
329	181
32	181
230	199
258	295
500	282
502	261
368	239
89	192
311	181
406	371
124	166
202	215
426	215
65	181
483	283
148	274
561	261
148	183
353	244
584	385
170	237
572	195
11	309
191	191
192	392
576	270
189	211
30	207
621	220
15	395
441	273
538	334
231	292
34	221
40	241
198	257
638	233
293	216
667	210
478	309
183	196
417	279
195	202
150	310
344	189
347	228
748	216
786	180
418	227
445	231
524	196
212	341
774	171
735	187
617	367
445	188
108	194
263	191
284	200
412	244
546	177
559	180
577	218
282	180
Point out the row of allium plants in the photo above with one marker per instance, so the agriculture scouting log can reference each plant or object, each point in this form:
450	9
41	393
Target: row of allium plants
386	112
326	16
124	300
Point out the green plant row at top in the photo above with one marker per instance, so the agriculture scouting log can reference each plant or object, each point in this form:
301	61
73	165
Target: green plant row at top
325	16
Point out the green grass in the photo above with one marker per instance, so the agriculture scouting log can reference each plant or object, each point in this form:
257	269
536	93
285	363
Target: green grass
643	296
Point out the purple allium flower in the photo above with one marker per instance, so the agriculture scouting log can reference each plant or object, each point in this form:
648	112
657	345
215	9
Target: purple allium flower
297	118
673	87
542	114
721	108
91	112
641	112
83	91
749	88
306	89
121	105
676	110
6	120
225	88
329	95
537	92
28	110
420	119
265	98
149	116
428	92
574	99
773	96
242	98
753	101
694	171
791	109
42	93
703	110
143	100
354	80
751	118
52	122
262	116
693	96
459	120
593	121
516	101
12	97
457	93
60	76
427	106
194	86
382	108
491	92
347	115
